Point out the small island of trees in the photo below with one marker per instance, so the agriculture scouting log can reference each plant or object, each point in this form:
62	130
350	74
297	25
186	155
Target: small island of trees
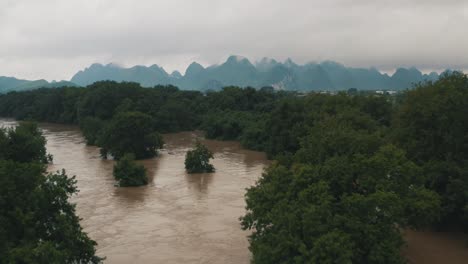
127	132
128	173
198	159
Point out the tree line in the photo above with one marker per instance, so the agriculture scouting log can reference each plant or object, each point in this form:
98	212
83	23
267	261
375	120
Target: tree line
351	170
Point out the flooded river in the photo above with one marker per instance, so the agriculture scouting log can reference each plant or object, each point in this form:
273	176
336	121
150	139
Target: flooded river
177	218
181	218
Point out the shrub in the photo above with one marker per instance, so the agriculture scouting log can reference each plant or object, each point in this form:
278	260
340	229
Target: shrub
198	159
128	173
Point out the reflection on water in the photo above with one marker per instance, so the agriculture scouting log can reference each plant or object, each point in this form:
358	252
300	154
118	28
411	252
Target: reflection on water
177	217
199	182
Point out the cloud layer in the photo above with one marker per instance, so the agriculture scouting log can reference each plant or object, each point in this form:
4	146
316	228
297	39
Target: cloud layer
53	39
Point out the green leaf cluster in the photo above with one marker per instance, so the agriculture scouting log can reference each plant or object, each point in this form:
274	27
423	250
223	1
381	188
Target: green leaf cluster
128	173
38	224
197	160
130	132
431	124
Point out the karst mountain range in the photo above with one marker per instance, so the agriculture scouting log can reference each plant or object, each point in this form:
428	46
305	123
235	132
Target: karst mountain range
239	71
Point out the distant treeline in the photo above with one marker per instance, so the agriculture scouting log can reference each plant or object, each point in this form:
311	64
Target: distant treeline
352	169
264	119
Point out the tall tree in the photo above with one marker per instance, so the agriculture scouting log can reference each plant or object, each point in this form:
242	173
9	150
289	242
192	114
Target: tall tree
24	143
131	132
38	224
432	126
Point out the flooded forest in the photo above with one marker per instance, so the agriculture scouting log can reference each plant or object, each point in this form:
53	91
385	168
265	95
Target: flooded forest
352	177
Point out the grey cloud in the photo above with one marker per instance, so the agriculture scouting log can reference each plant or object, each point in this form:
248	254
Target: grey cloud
52	39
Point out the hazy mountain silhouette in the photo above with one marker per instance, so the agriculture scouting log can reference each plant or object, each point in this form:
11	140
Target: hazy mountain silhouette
8	84
146	76
239	71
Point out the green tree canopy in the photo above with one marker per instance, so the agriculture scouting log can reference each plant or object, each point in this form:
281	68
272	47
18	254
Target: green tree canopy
23	143
345	188
355	203
432	126
91	128
198	159
131	132
128	173
38	224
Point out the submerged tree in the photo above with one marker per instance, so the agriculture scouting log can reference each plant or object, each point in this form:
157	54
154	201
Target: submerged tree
198	159
131	132
128	173
91	128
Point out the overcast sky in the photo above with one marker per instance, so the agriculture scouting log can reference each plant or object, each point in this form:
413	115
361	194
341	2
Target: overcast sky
53	39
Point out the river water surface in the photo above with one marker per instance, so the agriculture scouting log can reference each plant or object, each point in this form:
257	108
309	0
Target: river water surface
182	218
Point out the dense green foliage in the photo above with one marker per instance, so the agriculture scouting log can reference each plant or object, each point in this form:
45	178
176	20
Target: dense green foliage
38	224
24	143
432	125
232	113
197	160
128	173
130	132
352	169
91	128
343	199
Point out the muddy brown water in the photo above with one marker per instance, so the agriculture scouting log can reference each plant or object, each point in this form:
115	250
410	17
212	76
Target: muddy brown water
181	218
436	247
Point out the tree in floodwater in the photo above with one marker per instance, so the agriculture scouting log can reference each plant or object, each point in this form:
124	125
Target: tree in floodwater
38	224
130	132
91	128
198	159
128	173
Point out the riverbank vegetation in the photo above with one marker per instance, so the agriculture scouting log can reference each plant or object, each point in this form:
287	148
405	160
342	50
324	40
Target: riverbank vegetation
38	224
351	169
